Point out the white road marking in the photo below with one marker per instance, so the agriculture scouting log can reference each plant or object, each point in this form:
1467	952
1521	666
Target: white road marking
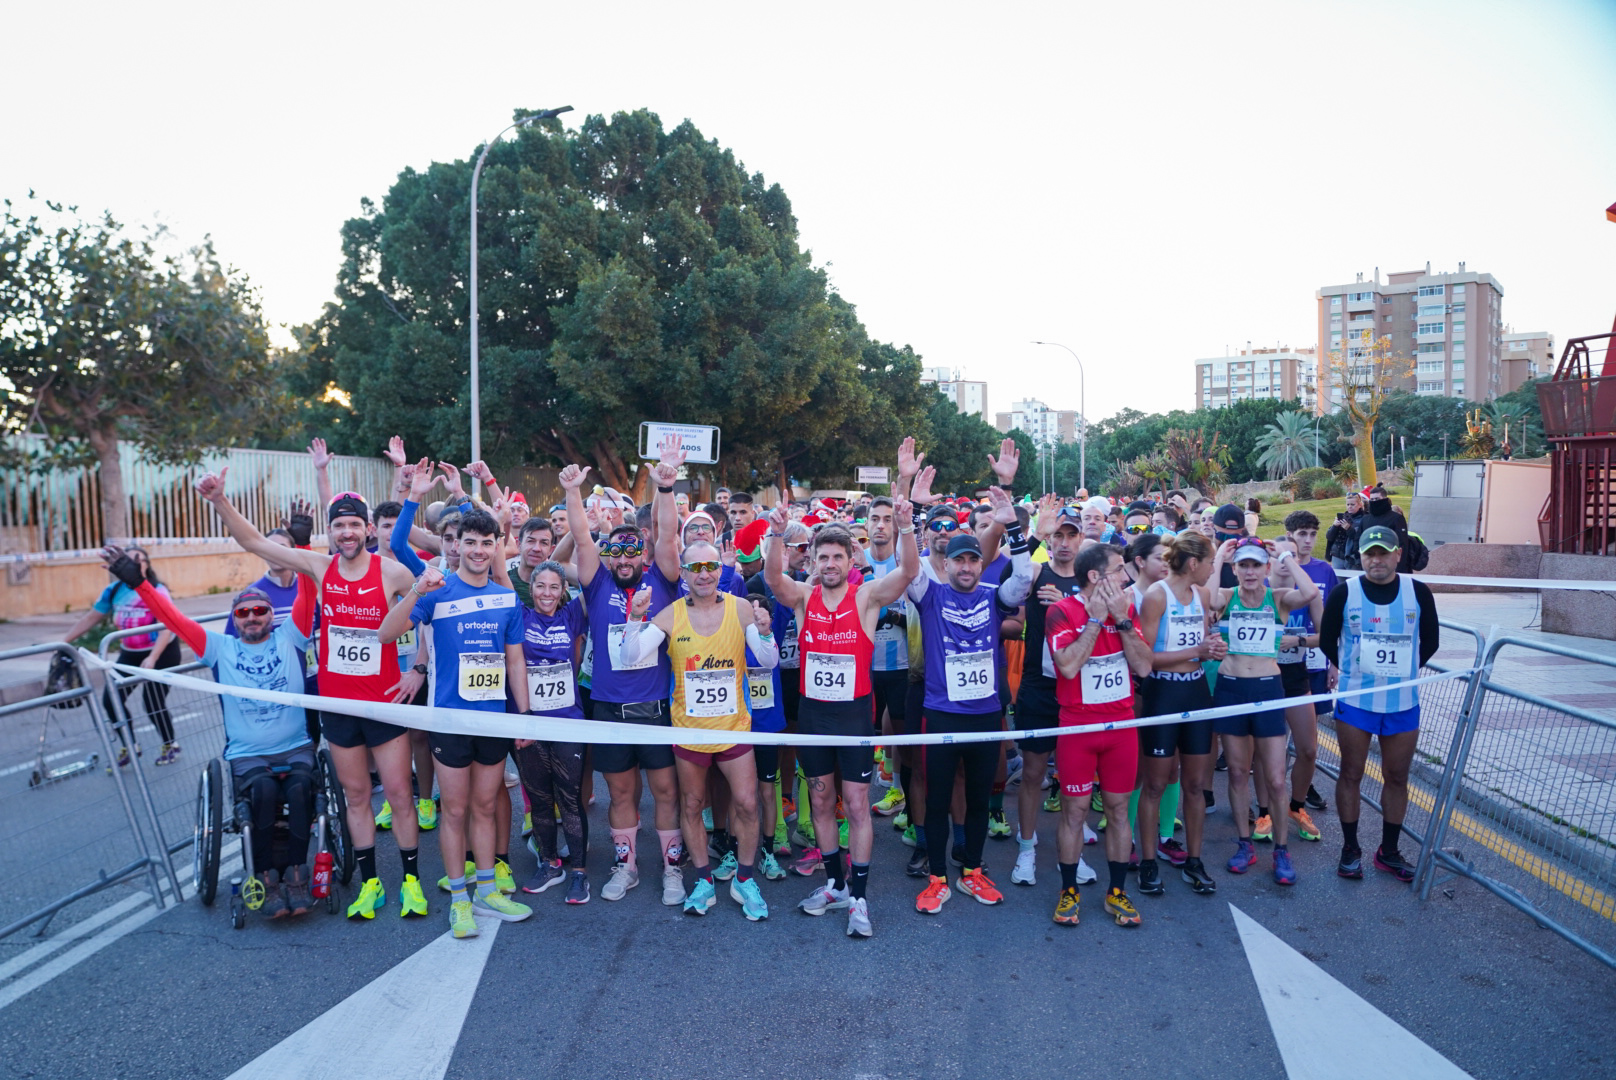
1324	1030
411	1016
34	762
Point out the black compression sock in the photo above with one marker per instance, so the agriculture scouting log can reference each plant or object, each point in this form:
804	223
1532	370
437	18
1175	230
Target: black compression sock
366	858
859	880
1068	875
1119	875
1349	833
1389	835
1262	811
1296	805
835	869
411	858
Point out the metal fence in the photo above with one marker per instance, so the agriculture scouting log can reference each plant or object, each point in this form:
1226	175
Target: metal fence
1526	808
1441	706
70	819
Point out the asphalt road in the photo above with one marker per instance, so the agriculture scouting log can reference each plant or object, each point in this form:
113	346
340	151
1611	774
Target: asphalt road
609	989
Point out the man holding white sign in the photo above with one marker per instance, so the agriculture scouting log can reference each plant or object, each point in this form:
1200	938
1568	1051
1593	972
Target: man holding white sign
1378	631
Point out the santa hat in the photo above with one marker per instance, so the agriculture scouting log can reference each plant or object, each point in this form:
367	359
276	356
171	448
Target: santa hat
518	497
699	517
749	541
811	520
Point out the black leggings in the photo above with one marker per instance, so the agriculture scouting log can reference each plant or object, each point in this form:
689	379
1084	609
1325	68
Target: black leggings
552	773
265	793
980	759
154	695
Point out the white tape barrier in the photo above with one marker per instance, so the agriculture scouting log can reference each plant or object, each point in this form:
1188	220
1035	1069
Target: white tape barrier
1503	582
552	729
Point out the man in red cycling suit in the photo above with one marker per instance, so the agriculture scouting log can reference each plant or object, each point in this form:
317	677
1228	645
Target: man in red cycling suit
1097	648
836	639
356	589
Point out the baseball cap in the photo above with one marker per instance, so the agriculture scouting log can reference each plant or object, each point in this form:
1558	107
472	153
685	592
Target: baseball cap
251	592
961	544
1250	550
1378	536
1229	516
348	504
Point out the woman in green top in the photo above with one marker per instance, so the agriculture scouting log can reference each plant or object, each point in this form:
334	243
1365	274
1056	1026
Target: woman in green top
1253	616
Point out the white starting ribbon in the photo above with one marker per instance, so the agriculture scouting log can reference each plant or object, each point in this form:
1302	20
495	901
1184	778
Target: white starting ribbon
1504	582
559	729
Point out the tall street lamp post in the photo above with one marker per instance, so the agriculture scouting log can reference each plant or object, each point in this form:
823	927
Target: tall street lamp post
1082	415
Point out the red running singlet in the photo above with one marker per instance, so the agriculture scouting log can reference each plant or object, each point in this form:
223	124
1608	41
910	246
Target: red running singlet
354	664
825	640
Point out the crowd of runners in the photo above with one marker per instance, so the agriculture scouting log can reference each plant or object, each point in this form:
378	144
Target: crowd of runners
866	618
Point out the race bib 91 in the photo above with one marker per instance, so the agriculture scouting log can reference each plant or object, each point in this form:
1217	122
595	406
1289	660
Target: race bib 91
1386	656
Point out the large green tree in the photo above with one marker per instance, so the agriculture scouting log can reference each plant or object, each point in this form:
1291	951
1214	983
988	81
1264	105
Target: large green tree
104	339
628	273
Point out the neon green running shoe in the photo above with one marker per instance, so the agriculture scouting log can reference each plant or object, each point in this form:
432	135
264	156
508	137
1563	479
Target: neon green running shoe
503	879
900	821
998	826
909	837
411	901
461	921
527	825
891	802
1052	805
384	820
841	833
471	874
501	907
426	813
372	898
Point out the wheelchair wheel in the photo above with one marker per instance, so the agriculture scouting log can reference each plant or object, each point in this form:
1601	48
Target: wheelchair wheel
337	839
210	795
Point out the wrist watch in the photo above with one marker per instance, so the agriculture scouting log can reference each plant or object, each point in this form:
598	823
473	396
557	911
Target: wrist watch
1125	624
419	668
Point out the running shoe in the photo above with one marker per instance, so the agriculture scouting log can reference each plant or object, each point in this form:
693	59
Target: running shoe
1150	882
1314	800
375	783
1200	882
803	835
719	843
1284	872
841	833
123	759
1171	852
933	897
750	897
707	822
1090	837
411	900
548	874
461	921
1133	858
471	872
1012	771
727	866
296	884
1025	872
1096	802
273	905
1119	907
1223	764
1244	857
562	850
1262	830
624	877
1100	826
782	842
858	918
998	827
1085	872
500	907
1351	864
956	854
770	867
173	755
892	802
426	814
533	849
977	884
919	864
673	886
578	888
900	820
384	817
1052	804
825	899
702	897
1394	864
503	880
1303	824
1066	908
527	825
910	838
810	862
372	898
1211	799
788	808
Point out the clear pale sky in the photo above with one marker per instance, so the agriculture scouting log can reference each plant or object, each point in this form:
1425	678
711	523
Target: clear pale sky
1148	184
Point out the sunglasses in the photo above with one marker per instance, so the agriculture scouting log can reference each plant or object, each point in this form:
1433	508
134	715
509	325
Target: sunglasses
630	550
1136	530
339	496
863	540
256	611
800	549
942	525
705	567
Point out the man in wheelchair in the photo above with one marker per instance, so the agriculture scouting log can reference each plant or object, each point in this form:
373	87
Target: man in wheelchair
271	759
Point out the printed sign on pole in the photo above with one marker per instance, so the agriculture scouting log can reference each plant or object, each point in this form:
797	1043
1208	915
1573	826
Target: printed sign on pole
872	474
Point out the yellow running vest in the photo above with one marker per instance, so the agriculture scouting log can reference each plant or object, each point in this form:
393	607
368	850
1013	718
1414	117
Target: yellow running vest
707	675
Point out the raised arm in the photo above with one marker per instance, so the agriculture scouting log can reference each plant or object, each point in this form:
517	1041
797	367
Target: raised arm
663	510
322	463
402	614
572	482
1013	590
211	488
420	475
890	589
127	571
793	594
395	454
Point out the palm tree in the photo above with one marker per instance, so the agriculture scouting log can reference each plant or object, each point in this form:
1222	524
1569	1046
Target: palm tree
1287	445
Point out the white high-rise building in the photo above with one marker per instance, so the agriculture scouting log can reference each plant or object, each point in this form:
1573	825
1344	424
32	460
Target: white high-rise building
969	396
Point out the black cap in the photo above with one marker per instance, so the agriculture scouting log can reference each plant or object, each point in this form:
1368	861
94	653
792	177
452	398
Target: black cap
1229	517
251	592
348	506
941	510
962	544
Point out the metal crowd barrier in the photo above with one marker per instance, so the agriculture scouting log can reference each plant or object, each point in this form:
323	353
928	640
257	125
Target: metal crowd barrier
169	792
1441	707
1530	793
64	822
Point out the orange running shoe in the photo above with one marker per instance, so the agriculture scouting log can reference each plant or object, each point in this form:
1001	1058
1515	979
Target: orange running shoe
977	884
931	901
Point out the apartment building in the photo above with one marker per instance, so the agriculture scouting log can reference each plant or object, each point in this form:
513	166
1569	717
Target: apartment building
969	396
1284	374
1525	357
1046	426
1449	323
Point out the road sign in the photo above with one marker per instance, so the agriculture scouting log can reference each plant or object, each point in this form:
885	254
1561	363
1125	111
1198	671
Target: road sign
700	443
872	474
